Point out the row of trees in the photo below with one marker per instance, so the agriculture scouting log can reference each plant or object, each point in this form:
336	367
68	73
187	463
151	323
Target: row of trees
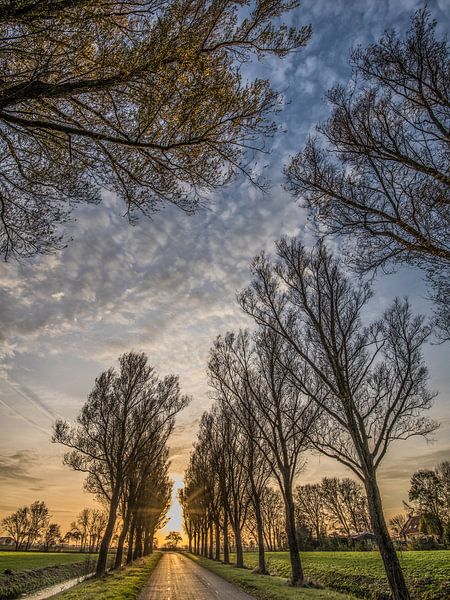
120	442
88	529
30	525
312	376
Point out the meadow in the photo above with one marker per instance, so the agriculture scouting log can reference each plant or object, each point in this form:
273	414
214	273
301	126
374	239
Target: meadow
362	575
35	570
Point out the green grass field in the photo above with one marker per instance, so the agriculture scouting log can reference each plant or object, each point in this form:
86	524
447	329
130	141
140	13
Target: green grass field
362	573
32	571
266	587
124	584
23	561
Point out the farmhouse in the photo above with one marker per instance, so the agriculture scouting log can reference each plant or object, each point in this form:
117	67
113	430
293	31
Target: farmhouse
411	529
6	541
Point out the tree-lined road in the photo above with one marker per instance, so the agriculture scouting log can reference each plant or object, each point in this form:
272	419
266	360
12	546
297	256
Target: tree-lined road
179	578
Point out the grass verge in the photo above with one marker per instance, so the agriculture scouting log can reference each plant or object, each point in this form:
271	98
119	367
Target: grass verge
125	583
362	574
265	587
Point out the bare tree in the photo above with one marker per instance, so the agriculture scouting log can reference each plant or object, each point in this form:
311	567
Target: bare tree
39	519
346	505
272	507
369	382
256	387
140	97
17	525
310	509
381	178
120	420
51	536
397	523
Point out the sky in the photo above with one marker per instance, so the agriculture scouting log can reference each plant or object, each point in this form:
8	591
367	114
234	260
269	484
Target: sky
167	286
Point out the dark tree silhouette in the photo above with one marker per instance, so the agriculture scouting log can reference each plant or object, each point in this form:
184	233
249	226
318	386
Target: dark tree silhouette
124	414
256	387
369	382
377	173
144	98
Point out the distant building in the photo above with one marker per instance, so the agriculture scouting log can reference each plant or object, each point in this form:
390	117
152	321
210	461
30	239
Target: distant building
411	529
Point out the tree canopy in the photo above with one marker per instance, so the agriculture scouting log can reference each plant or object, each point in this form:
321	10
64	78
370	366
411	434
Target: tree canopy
376	172
144	98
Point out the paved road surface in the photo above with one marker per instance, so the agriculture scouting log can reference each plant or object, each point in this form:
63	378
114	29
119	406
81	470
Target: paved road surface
179	578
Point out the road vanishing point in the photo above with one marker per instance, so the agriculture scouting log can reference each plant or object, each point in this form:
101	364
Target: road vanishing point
179	578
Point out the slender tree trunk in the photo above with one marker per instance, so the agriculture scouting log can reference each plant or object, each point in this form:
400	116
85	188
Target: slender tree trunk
190	542
217	527
106	540
211	542
386	547
297	577
137	552
131	541
146	540
239	549
262	568
226	545
205	542
121	540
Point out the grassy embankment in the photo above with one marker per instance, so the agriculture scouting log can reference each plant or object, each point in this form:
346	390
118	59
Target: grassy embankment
266	587
124	584
362	573
35	570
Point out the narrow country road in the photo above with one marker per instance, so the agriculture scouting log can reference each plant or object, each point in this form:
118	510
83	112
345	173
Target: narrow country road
179	578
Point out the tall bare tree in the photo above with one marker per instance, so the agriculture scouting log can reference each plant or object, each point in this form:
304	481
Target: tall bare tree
256	387
144	98
124	413
377	172
369	382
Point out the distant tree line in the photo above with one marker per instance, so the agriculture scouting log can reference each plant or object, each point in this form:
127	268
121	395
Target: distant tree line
120	442
30	525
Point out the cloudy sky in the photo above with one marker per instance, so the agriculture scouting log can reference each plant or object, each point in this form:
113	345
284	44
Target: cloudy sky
168	286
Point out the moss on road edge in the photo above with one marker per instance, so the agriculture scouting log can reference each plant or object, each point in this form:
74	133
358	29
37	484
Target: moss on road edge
264	587
123	584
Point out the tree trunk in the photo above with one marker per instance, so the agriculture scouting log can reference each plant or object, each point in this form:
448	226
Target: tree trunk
262	568
190	542
131	541
205	543
239	549
297	577
386	547
137	552
106	540
226	546
217	527
121	541
146	540
211	543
